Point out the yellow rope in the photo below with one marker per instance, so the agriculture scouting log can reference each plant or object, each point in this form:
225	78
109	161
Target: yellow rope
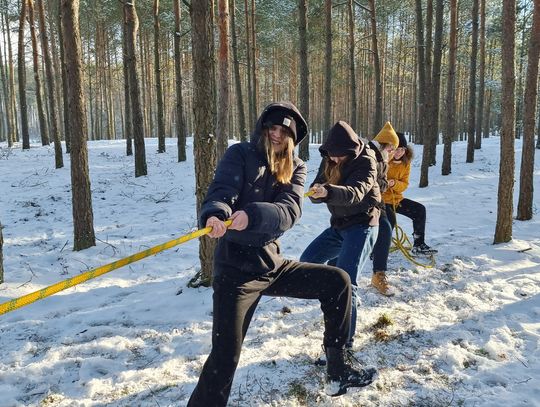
402	242
96	272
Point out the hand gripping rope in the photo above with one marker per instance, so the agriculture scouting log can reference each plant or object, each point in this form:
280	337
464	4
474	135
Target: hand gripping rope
96	272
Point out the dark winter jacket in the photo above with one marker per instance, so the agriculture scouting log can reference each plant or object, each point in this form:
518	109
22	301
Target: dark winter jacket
243	181
382	171
355	198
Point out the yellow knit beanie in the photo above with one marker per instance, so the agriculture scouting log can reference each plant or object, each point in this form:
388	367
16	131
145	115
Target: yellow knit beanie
387	135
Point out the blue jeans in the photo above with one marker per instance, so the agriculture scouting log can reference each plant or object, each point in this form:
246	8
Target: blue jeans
352	247
382	246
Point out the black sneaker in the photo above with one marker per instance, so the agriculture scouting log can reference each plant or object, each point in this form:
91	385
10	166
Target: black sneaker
423	249
341	374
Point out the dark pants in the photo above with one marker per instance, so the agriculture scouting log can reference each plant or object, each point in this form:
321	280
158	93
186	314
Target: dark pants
236	296
383	243
413	210
351	248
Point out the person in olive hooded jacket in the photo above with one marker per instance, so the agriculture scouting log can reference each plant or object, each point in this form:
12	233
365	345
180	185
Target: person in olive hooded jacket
347	183
259	185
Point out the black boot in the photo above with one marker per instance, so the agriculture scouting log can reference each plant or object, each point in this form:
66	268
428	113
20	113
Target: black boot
341	375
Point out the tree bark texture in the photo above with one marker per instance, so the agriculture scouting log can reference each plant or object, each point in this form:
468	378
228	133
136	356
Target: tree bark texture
223	79
303	148
526	175
43	128
181	130
135	95
51	78
471	120
204	119
450	105
81	198
503	228
21	70
157	74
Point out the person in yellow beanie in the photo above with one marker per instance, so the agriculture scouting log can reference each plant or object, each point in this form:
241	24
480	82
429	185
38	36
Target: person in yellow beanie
399	170
384	145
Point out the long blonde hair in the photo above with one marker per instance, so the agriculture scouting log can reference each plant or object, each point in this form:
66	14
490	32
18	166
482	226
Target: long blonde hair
332	171
281	164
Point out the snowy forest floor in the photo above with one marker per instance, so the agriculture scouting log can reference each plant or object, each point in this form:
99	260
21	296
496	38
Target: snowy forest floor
465	333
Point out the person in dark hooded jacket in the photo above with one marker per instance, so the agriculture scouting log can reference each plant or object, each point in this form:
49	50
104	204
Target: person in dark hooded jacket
347	183
259	185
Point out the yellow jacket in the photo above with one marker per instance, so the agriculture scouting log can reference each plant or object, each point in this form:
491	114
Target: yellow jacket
399	172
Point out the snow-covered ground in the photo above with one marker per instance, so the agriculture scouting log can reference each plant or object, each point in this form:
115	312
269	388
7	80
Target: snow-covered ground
465	333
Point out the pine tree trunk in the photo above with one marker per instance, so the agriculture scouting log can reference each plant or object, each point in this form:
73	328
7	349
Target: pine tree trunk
255	82
352	64
420	65
328	68
481	76
526	175
157	74
50	75
181	130
128	117
237	81
377	120
43	129
204	116
450	106
21	70
7	102
472	85
251	104
135	97
223	80
67	129
12	98
503	229
80	181
303	151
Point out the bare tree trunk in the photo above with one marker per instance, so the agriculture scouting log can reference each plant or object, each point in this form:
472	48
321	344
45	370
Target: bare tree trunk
67	129
35	54
255	83
503	229
450	130
83	218
251	103
481	79
204	114
420	63
135	97
128	117
432	106
50	74
21	70
181	130
303	149
328	68
472	85
223	84
159	88
378	120
7	102
12	97
237	80
526	191
352	65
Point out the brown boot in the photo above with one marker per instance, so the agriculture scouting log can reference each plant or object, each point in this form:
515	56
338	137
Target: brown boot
379	281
